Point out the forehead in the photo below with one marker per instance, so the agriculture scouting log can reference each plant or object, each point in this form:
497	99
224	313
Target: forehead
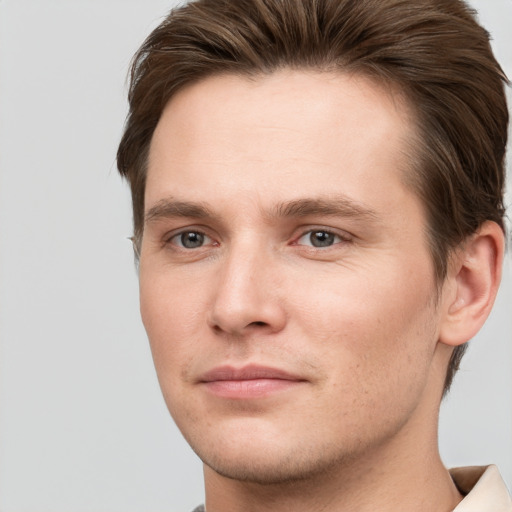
278	135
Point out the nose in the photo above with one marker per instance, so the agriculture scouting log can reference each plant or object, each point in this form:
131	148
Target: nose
247	299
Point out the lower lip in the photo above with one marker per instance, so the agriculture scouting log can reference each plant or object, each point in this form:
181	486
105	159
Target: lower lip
253	388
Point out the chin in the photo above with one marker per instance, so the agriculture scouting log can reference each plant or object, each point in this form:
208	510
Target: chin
268	459
275	470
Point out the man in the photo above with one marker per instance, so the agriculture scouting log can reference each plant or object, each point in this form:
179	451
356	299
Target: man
317	189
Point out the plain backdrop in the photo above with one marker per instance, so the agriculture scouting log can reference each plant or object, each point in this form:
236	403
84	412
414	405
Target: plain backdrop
83	427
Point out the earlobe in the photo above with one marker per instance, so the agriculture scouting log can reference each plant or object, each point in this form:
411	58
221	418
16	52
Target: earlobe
472	284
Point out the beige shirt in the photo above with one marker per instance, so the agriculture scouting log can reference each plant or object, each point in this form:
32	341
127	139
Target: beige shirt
484	489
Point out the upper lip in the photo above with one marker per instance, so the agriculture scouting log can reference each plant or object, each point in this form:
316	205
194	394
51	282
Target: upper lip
250	372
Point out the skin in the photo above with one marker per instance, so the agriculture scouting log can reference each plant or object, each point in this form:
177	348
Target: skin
242	174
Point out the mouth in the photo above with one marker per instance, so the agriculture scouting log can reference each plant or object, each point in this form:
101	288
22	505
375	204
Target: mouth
248	382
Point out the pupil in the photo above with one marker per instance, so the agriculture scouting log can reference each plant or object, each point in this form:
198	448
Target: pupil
321	239
192	240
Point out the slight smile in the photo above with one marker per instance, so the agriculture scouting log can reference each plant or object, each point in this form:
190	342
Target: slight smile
248	382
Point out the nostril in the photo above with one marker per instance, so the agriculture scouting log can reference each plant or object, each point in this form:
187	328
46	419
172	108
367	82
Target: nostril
258	324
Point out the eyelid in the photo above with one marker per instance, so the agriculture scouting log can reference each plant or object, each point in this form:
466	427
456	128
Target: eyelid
211	239
344	236
171	235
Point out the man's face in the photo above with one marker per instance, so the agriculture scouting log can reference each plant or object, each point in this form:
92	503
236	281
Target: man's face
286	286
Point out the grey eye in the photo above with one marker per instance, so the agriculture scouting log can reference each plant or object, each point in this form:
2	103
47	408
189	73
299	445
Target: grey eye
321	238
190	239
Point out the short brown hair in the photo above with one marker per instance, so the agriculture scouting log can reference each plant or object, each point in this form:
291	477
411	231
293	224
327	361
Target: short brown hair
434	51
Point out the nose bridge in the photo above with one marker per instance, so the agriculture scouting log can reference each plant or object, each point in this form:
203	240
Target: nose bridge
246	293
242	268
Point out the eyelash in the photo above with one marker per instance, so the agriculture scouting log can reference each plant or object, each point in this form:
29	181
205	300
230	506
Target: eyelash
335	237
174	236
331	234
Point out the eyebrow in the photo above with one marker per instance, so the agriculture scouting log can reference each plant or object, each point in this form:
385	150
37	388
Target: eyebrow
332	206
171	208
335	206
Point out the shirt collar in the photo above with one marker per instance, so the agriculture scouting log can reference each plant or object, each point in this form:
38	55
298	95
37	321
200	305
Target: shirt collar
484	488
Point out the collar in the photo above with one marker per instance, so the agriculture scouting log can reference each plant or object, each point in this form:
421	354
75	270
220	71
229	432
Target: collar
484	489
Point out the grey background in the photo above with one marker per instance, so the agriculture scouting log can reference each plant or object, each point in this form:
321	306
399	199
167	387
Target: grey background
82	424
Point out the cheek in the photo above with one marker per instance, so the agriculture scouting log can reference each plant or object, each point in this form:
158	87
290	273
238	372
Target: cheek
376	360
172	319
381	330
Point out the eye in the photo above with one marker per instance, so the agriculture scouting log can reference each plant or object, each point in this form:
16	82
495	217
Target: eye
320	238
190	239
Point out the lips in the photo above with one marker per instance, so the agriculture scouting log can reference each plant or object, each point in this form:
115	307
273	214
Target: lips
248	382
251	372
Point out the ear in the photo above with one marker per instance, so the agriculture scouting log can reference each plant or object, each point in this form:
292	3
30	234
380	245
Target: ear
474	275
